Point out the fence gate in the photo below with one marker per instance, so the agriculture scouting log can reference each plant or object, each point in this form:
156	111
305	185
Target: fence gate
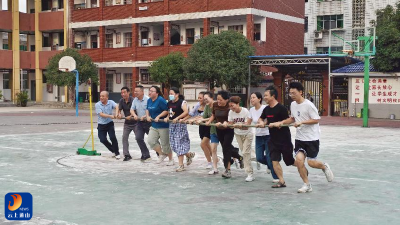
312	85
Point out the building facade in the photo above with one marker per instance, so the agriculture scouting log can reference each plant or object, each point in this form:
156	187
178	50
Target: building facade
27	40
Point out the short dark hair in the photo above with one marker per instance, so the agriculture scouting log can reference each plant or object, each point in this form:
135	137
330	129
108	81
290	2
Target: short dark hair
125	88
210	94
176	90
224	94
272	91
258	95
296	85
235	99
202	93
140	86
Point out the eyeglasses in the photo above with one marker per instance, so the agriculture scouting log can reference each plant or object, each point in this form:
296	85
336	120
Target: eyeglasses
152	91
292	94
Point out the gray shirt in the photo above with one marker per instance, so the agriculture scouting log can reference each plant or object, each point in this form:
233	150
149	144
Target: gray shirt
140	106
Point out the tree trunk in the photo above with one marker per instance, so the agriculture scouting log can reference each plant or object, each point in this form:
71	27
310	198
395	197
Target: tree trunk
72	100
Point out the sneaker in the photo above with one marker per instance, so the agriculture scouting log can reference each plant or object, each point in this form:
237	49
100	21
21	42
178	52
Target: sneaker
213	172
181	168
161	158
171	162
227	174
118	156
328	172
209	166
268	171
305	188
275	181
113	155
127	158
241	162
145	159
258	166
189	159
249	178
236	164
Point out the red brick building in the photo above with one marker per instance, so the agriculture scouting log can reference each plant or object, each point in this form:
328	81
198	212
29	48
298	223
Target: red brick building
124	36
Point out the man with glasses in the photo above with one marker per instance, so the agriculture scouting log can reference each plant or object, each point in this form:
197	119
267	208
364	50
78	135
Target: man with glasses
305	116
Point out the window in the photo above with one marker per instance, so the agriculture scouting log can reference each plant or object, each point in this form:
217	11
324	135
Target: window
305	51
305	24
189	36
128	39
325	50
201	32
24	80
61	36
46	40
329	22
109	40
144	75
126	2
109	2
128	80
237	28
6	81
257	32
211	30
109	82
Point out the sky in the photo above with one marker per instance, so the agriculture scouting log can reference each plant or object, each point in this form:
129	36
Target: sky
22	5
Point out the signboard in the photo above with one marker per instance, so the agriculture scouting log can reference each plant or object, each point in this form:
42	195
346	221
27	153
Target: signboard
381	90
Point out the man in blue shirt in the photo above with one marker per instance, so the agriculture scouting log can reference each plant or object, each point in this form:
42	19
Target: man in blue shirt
138	111
104	111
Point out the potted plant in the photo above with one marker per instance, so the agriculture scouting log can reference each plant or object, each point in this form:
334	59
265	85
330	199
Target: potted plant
1	95
22	98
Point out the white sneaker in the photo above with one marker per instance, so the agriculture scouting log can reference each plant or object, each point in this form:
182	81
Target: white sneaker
268	171
171	162
328	172
209	166
113	155
249	178
161	158
305	188
213	172
118	156
275	181
258	166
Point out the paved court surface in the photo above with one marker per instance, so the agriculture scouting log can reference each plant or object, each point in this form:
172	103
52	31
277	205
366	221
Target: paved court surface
37	149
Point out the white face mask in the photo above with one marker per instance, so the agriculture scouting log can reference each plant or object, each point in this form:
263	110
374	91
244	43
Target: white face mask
171	97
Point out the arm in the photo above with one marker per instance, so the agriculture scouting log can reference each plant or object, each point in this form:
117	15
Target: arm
184	114
164	113
148	117
107	116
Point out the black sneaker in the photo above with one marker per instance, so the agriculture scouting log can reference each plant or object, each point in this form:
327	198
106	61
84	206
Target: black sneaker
127	158
148	159
241	162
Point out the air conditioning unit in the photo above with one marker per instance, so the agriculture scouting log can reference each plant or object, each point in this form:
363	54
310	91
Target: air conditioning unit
318	35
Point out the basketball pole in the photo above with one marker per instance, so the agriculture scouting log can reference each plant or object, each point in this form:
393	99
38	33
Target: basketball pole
76	91
366	91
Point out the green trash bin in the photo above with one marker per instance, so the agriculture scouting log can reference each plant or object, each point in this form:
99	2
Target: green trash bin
362	112
80	99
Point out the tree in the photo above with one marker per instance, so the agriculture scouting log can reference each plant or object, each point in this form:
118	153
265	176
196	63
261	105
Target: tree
387	57
168	69
222	59
87	70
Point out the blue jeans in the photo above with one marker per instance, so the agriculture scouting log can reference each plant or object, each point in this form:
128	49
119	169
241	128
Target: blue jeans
262	153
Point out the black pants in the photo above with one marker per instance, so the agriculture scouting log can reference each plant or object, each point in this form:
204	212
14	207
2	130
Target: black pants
103	129
225	138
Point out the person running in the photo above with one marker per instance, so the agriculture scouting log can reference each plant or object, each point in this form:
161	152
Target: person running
212	131
178	133
124	105
225	135
195	114
305	116
280	142
158	137
263	155
138	112
239	116
104	110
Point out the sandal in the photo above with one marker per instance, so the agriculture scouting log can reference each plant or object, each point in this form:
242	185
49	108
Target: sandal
279	185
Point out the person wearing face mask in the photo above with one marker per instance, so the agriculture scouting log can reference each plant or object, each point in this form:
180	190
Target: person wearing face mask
225	135
178	133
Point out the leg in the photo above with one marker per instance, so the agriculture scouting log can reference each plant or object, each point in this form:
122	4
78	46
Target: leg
214	155
164	140
316	164
260	150
205	145
113	138
139	135
153	140
247	153
102	134
268	158
125	139
278	171
300	157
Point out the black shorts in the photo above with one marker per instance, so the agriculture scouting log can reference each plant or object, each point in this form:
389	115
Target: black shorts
204	131
310	148
278	150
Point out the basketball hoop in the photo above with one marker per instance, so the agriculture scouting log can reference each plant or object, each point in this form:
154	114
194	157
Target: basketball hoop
348	52
64	70
67	64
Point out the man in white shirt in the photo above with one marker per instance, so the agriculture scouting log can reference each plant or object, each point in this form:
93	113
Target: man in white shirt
306	119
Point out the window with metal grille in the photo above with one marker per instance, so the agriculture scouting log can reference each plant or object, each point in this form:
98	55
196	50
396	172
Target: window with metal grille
6	81
237	28
329	22
109	40
257	32
109	82
128	80
128	39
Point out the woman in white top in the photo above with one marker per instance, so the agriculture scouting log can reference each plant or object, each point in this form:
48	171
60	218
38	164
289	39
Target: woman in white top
262	134
238	116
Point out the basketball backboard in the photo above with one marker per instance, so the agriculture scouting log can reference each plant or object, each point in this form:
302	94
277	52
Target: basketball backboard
353	41
67	64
